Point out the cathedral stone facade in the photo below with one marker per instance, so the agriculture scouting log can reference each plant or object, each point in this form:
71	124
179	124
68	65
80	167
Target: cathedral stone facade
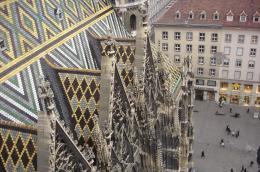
79	93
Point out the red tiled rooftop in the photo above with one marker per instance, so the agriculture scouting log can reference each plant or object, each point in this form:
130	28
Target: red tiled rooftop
210	7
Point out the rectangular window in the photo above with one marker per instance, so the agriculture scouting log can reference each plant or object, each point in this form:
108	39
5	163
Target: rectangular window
249	75
214	37
189	36
252	51
241	39
213	49
189	48
201	36
239	51
212	72
227	50
237	74
229	18
200	71
213	61
212	83
200	60
223	85
254	39
248	88
177	58
256	19
226	62
251	64
258	89
224	73
177	35
238	63
199	82
165	35
242	18
201	48
165	46
228	38
177	47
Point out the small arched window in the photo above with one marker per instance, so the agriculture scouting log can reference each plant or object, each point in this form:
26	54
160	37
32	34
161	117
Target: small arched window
203	15
216	16
243	17
133	22
178	14
230	16
191	15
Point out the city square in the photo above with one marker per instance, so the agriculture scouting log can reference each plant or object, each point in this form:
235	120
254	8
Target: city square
209	129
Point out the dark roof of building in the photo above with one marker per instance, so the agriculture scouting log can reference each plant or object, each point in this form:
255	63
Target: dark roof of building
223	7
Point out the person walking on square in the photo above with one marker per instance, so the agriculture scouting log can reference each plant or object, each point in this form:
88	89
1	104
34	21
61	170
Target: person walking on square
251	163
248	110
222	143
231	170
203	154
230	110
243	168
228	130
237	134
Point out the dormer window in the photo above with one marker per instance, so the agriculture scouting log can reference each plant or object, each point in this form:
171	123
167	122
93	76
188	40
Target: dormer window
58	13
230	16
256	17
190	15
178	14
243	17
216	16
203	15
2	44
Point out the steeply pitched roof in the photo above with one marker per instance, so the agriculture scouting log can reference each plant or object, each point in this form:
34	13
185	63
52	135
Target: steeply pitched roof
250	7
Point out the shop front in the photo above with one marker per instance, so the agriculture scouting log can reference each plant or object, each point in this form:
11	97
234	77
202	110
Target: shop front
257	101
199	94
204	93
234	99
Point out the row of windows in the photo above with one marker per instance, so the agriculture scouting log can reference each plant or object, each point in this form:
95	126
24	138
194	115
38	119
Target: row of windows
225	73
213	61
240	50
200	71
214	37
209	83
201	49
216	16
177	48
237	75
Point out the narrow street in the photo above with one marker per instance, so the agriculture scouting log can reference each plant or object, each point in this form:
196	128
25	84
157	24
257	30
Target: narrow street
210	129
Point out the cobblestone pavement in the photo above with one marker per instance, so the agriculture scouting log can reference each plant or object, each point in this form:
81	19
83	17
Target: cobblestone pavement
210	128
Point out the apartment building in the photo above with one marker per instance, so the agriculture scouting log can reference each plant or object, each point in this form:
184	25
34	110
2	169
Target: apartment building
222	38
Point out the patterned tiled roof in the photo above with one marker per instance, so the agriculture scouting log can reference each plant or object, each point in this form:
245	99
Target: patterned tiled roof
17	147
31	30
223	7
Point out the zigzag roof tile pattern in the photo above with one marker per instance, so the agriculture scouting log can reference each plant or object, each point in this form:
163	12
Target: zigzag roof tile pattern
56	30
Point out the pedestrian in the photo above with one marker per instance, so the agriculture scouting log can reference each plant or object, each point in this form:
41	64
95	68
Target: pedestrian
237	134
230	110
202	154
222	143
243	168
231	170
248	110
251	163
228	130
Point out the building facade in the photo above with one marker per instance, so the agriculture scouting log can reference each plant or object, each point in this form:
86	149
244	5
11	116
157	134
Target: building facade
79	93
222	38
